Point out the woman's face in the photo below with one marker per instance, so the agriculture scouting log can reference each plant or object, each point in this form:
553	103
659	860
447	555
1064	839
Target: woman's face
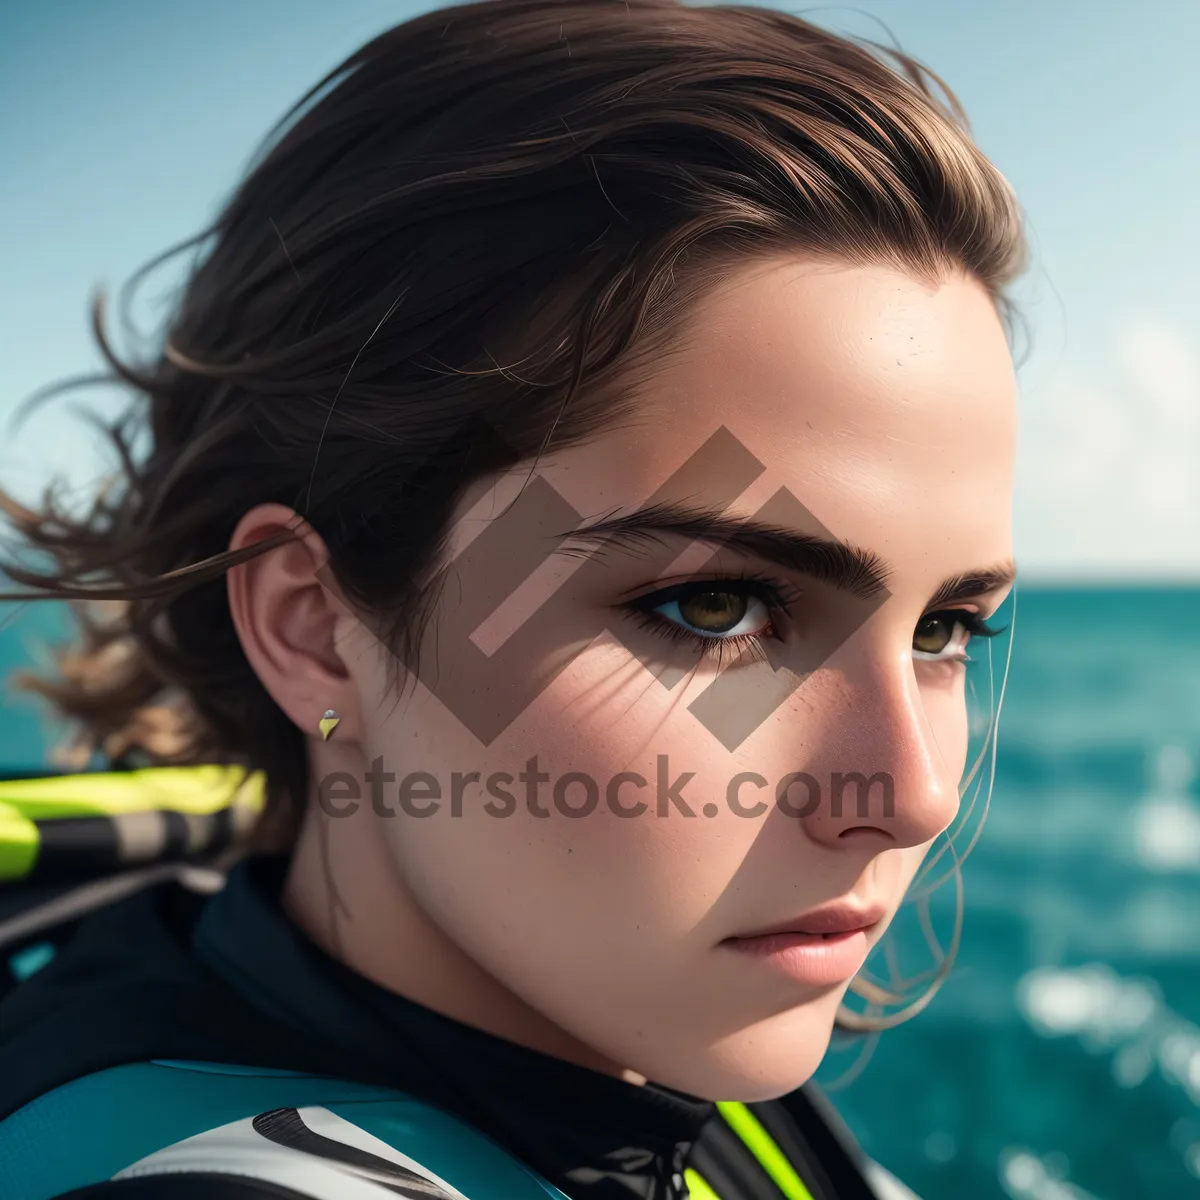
843	438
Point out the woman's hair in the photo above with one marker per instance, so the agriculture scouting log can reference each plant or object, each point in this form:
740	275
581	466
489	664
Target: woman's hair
460	250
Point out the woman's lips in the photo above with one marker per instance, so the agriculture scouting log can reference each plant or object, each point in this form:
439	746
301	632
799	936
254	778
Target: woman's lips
813	959
821	948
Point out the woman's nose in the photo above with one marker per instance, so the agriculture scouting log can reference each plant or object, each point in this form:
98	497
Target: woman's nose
885	771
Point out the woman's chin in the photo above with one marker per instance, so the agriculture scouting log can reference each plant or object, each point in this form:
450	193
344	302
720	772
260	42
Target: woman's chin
760	1063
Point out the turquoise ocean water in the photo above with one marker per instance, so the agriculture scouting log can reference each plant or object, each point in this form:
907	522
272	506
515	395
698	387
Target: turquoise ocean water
1061	1059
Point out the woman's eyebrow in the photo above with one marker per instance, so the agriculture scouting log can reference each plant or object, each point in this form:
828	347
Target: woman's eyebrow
971	585
841	565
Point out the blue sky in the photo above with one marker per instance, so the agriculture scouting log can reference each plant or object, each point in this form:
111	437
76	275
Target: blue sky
125	121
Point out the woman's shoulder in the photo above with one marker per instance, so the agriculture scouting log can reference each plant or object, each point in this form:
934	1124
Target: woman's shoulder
358	1144
196	1130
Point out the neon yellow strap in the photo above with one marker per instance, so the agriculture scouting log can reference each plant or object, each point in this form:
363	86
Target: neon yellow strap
198	790
698	1186
192	791
762	1145
18	843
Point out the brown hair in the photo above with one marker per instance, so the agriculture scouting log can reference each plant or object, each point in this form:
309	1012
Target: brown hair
493	213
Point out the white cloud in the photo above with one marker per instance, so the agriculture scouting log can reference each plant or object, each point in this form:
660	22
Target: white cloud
1109	471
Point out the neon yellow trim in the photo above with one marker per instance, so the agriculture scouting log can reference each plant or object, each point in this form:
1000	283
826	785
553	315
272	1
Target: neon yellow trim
194	790
762	1145
698	1187
18	844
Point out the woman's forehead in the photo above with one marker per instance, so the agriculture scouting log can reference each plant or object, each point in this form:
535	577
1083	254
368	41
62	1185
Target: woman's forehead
879	406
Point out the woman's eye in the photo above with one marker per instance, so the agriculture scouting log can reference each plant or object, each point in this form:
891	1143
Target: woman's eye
715	617
718	614
943	637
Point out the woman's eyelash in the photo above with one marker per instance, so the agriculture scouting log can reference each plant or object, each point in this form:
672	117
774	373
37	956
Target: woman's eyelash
775	598
774	595
970	620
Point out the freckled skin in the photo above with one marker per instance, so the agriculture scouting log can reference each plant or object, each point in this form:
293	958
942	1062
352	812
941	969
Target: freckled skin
886	405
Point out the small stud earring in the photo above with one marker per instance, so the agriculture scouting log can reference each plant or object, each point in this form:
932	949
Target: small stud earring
328	723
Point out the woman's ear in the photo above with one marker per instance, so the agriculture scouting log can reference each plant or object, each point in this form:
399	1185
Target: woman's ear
287	616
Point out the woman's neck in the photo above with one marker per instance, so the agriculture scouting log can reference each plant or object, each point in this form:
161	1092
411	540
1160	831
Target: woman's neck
346	893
